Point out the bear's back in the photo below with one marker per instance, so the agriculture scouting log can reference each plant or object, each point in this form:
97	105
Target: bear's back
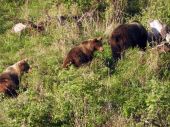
127	35
10	79
130	34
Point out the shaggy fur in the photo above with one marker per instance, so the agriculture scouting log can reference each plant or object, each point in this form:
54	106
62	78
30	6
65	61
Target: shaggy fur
10	78
83	53
127	35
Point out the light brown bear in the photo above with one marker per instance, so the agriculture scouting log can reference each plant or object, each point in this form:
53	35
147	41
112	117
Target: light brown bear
83	53
10	78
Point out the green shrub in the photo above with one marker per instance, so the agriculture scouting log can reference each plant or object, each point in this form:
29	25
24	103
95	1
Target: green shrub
97	94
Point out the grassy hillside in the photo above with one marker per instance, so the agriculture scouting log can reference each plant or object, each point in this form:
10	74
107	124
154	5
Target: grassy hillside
133	93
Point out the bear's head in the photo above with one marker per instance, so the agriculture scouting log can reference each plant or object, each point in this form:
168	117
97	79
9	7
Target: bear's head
23	66
97	44
19	68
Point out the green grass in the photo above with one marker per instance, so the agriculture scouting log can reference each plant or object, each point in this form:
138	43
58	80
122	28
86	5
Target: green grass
92	95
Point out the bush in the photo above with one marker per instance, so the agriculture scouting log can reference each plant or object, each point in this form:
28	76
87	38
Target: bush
130	93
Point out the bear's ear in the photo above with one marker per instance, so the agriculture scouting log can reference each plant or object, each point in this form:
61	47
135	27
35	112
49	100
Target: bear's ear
99	38
23	61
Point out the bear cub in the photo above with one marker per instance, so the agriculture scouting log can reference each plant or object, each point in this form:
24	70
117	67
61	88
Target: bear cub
10	78
83	53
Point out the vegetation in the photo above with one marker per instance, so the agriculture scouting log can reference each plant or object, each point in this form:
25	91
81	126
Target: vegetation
135	92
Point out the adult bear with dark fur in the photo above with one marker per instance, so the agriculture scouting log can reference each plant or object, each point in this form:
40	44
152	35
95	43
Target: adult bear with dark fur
127	35
10	78
83	53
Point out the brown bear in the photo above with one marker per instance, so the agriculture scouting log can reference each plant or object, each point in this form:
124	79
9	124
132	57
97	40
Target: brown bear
83	53
127	35
10	78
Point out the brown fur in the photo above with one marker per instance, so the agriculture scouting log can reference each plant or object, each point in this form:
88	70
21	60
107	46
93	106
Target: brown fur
10	78
83	53
127	35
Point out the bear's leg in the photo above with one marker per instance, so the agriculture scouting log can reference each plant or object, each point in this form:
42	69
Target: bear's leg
66	62
77	62
11	93
142	46
116	56
116	53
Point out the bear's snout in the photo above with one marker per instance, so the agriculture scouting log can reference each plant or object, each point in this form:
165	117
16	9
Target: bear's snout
101	49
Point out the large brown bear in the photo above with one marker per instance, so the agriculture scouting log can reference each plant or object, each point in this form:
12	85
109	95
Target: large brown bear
10	78
83	53
127	35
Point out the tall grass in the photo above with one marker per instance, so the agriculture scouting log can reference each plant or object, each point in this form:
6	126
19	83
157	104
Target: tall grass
134	93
